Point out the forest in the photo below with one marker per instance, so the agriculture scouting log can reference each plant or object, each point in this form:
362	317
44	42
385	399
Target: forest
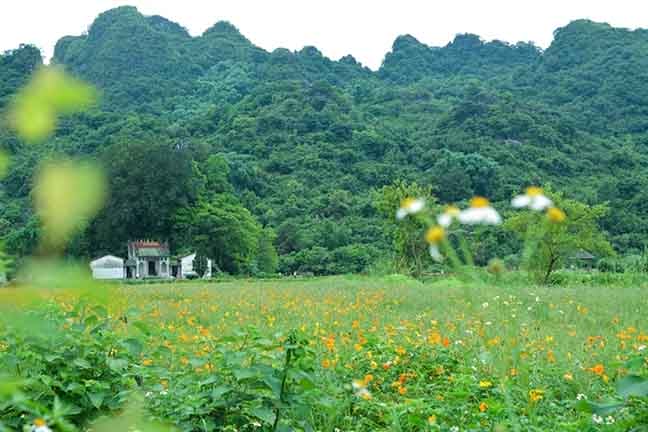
276	161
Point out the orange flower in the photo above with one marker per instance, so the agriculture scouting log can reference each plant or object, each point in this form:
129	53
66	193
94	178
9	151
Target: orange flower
326	363
597	369
483	407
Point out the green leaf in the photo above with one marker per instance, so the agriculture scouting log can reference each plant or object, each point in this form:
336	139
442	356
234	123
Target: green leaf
141	326
96	399
134	346
633	385
606	408
218	392
264	414
117	365
241	374
82	363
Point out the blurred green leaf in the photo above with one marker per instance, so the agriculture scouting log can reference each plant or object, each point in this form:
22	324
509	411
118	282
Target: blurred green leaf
633	385
50	93
67	194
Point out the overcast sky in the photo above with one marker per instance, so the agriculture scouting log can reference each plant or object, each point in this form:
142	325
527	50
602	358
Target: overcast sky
363	28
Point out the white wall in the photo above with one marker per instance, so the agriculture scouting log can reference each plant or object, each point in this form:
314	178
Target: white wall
108	273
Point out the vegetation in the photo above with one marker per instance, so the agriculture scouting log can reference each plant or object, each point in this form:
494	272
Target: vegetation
187	124
352	353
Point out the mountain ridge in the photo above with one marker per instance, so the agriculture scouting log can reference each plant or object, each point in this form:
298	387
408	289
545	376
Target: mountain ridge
307	141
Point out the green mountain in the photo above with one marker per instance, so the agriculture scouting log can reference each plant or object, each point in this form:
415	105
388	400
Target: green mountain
302	141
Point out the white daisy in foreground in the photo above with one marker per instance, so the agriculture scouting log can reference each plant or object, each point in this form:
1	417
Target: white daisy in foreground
533	198
480	212
597	419
446	218
360	389
434	236
40	426
410	206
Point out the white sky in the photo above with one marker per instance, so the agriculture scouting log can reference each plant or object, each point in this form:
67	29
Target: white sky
364	28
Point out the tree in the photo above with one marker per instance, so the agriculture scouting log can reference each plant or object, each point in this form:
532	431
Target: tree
552	242
223	230
410	248
200	264
267	258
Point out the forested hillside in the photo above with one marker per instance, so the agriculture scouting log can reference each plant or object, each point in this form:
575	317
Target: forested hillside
215	143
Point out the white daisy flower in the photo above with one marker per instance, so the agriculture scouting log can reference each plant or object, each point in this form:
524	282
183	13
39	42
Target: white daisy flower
581	396
410	206
609	420
597	419
480	212
446	218
40	426
434	236
533	198
435	253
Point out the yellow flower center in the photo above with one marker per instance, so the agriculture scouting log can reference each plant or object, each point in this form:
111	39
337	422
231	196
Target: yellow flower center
407	203
479	202
452	210
534	191
555	215
39	422
434	235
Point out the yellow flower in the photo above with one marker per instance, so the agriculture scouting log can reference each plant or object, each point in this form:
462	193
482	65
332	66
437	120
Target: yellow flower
535	395
435	235
555	215
432	419
147	362
568	377
485	384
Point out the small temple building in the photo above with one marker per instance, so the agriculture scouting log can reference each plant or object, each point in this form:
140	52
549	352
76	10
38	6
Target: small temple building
147	259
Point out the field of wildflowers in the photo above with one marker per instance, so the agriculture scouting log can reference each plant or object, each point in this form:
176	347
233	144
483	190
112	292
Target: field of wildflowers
341	353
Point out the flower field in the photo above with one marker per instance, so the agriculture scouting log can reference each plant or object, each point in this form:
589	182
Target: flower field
343	353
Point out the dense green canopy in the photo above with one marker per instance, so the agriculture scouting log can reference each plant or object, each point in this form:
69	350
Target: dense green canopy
302	141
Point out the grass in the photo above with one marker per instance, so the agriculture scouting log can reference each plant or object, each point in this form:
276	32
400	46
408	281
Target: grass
431	355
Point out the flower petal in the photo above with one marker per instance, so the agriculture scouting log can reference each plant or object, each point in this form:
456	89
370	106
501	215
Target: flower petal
521	201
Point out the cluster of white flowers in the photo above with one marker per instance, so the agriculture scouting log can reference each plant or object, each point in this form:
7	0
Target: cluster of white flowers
479	212
600	420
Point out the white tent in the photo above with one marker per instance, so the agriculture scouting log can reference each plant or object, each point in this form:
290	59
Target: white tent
108	267
186	264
